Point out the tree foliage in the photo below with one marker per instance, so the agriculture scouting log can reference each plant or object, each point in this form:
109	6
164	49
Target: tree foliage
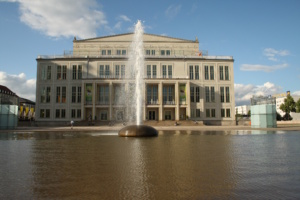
288	106
298	106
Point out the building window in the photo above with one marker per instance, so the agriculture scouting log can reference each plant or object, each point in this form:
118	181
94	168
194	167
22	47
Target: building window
226	73
63	113
64	72
197	94
57	94
73	94
162	52
197	112
222	112
148	71
165	97
168	115
222	94
45	94
147	52
103	115
48	72
43	73
227	112
212	94
221	73
57	113
73	113
152	52
58	72
117	71
191	72
123	52
227	95
47	113
123	71
196	72
164	69
101	71
192	94
192	113
207	112
206	94
153	71
79	72
64	95
108	53
168	52
103	52
44	113
206	72
106	71
118	52
61	94
211	72
213	112
170	71
79	94
103	95
78	113
74	72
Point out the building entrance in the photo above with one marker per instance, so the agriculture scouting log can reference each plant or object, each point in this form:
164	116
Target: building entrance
151	115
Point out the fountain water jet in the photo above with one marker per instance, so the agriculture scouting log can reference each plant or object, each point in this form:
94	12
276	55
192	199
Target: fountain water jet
136	62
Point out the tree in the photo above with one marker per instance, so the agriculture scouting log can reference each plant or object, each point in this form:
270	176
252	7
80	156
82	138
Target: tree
288	106
298	106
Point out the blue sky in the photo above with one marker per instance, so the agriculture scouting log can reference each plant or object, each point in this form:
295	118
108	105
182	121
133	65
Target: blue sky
263	36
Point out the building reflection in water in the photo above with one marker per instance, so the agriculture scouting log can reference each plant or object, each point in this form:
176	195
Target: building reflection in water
164	167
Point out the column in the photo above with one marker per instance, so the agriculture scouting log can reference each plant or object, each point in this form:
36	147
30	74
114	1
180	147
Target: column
110	99
94	101
188	100
82	100
177	101
160	100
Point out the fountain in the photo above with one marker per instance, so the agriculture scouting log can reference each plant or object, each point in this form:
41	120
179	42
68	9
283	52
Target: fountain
136	64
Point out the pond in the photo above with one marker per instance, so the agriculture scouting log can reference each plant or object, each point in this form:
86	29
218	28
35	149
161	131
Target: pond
174	165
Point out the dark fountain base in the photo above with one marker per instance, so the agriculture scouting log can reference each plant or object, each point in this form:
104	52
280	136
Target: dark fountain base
138	131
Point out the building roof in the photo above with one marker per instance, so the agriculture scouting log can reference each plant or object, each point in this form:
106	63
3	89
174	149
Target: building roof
27	101
6	90
173	39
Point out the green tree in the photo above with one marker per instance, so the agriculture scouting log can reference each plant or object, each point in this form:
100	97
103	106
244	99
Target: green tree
298	106
288	106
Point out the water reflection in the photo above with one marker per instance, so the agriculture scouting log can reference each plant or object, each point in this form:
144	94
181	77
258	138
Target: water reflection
174	165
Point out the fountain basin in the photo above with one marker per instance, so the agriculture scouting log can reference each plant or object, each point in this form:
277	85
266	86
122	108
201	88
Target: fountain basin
138	131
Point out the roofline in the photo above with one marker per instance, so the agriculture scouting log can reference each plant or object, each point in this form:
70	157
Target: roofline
108	36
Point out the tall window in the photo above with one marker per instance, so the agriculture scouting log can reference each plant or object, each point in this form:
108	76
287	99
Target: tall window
106	71
44	113
226	73
45	94
58	100
147	52
164	69
197	72
222	112
64	72
170	71
162	52
197	94
123	52
148	71
117	71
192	94
43	73
207	111
79	72
153	71
227	95
213	112
222	94
64	95
79	94
221	73
165	93
73	94
49	72
155	93
123	71
197	112
149	94
152	52
103	94
206	72
211	72
168	52
61	93
212	94
58	69
191	72
101	71
170	94
228	112
74	72
118	52
206	94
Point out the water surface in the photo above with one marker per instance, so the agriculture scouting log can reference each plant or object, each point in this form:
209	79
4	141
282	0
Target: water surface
174	165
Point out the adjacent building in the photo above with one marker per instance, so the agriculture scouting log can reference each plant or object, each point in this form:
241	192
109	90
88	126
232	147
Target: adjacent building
181	82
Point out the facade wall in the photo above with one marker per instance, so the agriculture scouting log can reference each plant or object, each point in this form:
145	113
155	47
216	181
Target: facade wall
205	99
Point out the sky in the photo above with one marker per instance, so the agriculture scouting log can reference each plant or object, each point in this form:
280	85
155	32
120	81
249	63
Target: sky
263	36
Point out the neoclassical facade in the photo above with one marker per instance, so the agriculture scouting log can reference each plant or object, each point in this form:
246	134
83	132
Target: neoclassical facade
181	82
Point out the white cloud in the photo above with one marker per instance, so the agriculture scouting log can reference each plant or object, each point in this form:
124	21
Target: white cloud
272	54
172	11
243	93
296	93
67	18
265	68
19	84
125	18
